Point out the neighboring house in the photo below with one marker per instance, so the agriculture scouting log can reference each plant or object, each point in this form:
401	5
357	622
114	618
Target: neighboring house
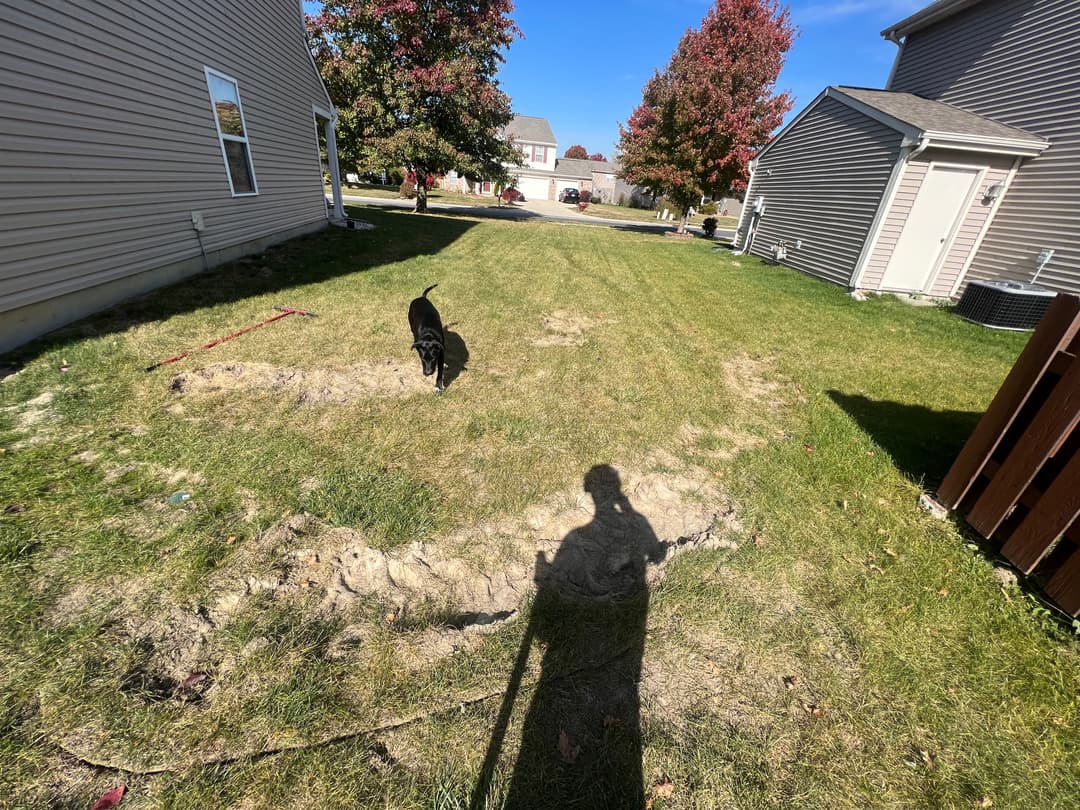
965	167
137	149
595	176
534	176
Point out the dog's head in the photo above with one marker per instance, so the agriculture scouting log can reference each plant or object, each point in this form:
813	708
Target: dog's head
429	351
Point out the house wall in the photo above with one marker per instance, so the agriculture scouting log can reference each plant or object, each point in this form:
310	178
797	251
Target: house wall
823	180
109	143
1017	62
997	170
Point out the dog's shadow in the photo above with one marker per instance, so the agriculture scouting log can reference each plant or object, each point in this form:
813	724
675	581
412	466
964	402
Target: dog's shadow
455	356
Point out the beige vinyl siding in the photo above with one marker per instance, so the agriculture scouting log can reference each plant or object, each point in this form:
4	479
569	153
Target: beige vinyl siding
108	142
823	180
996	171
1017	62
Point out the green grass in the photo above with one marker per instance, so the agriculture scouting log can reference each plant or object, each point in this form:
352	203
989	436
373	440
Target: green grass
643	215
912	678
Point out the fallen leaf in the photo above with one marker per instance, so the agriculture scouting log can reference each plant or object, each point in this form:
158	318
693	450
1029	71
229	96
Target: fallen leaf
390	617
14	508
984	802
928	759
110	798
759	539
568	751
877	568
191	681
791	681
230	539
809	448
943	592
813	709
663	790
890	552
713	666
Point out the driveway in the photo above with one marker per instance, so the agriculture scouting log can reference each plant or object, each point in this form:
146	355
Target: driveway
533	209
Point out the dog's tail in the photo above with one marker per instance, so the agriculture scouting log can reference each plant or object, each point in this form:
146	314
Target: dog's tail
429	289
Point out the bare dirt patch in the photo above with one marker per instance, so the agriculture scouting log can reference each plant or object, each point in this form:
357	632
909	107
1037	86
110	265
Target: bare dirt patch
379	378
753	381
32	417
562	328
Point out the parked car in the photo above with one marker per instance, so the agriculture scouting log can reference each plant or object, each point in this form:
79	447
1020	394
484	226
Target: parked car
513	195
569	195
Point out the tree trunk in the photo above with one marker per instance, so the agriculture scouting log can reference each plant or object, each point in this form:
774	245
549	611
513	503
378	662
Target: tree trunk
421	191
684	220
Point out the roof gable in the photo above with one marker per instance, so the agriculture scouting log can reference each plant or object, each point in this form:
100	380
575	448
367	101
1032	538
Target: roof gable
530	129
934	123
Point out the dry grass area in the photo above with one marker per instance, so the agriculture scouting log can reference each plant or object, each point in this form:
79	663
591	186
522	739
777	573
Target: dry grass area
656	545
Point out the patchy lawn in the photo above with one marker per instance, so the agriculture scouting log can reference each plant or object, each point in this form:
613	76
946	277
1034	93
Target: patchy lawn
658	541
644	215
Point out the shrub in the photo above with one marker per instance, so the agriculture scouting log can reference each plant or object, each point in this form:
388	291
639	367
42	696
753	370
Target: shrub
622	199
395	177
585	196
709	225
708	209
407	189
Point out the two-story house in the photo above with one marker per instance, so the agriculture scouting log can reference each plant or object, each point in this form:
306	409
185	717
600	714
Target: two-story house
964	167
138	148
535	177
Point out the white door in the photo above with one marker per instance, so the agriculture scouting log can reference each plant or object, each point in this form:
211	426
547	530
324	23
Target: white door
941	202
534	188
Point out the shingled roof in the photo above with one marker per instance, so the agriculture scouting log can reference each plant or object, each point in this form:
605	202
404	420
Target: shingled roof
936	117
529	129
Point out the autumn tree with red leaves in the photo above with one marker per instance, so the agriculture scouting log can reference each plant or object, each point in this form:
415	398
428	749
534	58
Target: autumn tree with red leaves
576	152
713	107
414	84
597	156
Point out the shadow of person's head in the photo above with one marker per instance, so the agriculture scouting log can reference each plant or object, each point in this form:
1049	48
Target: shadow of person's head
604	484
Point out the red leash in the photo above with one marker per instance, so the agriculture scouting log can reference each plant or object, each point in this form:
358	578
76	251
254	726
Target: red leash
285	313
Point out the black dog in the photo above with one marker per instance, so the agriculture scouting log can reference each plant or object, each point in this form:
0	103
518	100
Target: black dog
428	340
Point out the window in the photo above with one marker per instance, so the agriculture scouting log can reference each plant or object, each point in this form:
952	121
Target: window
539	154
232	133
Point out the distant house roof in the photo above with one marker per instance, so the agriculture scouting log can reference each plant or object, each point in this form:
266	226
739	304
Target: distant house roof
529	129
936	118
928	16
577	167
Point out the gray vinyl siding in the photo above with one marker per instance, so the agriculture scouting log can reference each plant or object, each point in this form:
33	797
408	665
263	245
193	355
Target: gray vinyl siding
823	180
108	141
1017	62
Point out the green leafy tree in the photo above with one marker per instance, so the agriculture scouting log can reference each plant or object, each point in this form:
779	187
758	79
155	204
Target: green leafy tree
713	107
414	84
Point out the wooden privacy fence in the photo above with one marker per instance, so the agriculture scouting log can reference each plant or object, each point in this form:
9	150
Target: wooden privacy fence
1017	480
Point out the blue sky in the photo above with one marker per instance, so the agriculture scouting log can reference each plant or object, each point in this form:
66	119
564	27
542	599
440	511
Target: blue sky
582	66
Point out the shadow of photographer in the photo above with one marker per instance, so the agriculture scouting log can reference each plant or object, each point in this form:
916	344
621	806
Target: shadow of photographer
581	735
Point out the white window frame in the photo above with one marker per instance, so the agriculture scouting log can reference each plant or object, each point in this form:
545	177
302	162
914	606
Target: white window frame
222	137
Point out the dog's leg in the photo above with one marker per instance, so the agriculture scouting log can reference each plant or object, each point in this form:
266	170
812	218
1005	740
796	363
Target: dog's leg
439	385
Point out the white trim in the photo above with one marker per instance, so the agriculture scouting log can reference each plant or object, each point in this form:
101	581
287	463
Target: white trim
329	119
935	12
903	160
986	227
222	137
947	245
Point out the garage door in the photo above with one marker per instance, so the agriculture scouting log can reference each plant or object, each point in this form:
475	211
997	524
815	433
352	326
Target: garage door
534	188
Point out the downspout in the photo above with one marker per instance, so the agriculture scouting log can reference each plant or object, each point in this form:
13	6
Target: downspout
899	43
742	213
335	169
